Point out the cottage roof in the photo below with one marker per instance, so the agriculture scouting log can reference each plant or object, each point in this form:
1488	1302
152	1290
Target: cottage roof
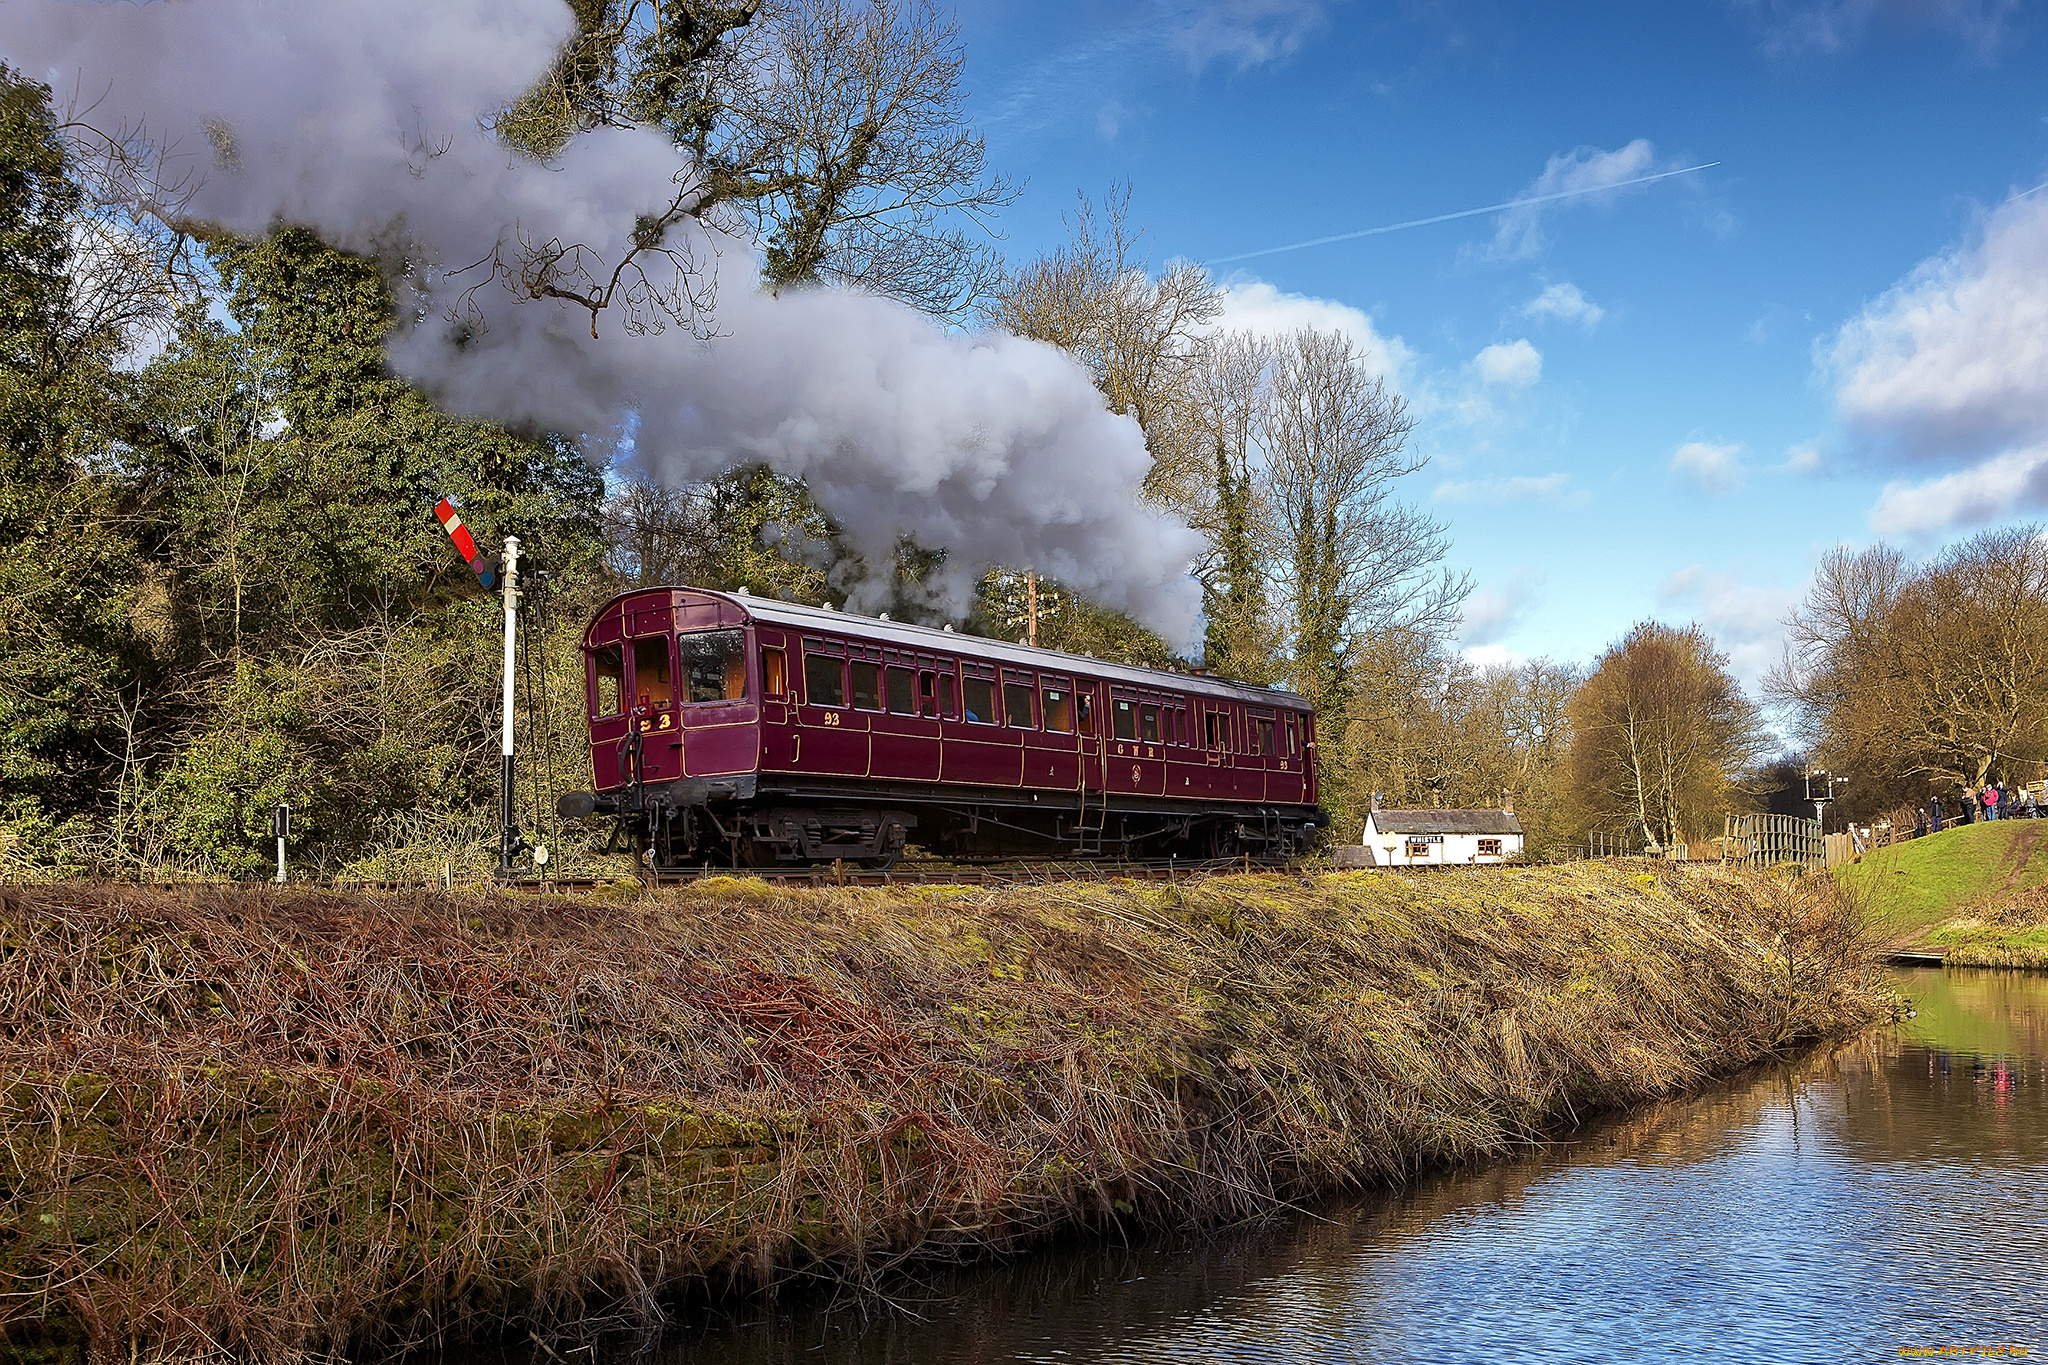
1446	822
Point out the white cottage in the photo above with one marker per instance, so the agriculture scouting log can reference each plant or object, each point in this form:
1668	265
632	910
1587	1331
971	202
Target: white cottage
1441	838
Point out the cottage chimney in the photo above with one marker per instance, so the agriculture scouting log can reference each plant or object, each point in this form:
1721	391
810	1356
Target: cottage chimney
1375	800
1507	802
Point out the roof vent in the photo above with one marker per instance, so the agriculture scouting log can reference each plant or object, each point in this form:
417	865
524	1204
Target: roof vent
949	627
741	591
883	617
830	607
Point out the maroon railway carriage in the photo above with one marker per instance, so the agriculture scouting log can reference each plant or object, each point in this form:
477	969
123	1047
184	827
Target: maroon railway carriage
728	728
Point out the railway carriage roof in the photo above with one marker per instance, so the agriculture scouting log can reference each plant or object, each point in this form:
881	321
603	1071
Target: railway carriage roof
796	616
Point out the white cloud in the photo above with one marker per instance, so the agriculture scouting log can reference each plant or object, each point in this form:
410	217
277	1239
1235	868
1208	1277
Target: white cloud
1564	303
1495	612
1247	32
1988	491
1520	234
1554	489
1251	305
1804	458
1955	357
1788	27
1717	468
1950	367
1746	621
1515	364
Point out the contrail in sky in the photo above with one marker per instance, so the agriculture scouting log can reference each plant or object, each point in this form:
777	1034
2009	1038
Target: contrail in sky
1461	213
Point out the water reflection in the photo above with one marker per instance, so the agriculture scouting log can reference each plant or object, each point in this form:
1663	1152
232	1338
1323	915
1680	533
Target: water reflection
1888	1193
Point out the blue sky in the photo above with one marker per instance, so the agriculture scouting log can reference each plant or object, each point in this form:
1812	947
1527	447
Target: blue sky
1665	400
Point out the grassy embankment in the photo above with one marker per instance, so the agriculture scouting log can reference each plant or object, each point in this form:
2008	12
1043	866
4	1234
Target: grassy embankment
279	1123
1977	893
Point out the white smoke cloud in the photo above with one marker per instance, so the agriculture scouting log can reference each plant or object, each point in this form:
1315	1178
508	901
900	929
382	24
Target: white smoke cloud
362	122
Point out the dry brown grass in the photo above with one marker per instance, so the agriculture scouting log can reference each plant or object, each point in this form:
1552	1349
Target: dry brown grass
268	1123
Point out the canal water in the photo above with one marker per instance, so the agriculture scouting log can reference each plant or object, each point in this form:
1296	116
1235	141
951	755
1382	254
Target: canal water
1876	1200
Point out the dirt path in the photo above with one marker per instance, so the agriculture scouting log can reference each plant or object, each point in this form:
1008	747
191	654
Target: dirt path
2021	853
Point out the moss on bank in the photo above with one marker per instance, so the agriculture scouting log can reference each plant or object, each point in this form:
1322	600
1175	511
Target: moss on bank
284	1122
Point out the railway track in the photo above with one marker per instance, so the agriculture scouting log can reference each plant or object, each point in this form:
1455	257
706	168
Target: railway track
948	874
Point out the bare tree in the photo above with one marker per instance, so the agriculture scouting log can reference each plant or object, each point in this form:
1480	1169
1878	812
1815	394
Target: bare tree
1094	296
831	129
1356	559
1662	734
1923	678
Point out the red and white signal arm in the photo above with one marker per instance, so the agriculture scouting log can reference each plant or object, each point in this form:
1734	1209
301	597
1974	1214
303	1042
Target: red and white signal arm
487	570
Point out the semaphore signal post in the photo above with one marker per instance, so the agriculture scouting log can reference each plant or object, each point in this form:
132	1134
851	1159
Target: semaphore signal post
502	577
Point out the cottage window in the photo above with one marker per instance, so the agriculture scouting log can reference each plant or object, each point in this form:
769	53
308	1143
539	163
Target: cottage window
1489	848
1418	848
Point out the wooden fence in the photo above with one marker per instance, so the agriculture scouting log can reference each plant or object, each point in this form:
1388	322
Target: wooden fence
1766	840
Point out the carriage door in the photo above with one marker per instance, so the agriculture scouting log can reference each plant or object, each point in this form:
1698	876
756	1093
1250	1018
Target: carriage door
1089	727
1137	761
651	682
1052	751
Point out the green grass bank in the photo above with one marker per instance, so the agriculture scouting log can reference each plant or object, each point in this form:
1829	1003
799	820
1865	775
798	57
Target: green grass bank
1977	893
273	1124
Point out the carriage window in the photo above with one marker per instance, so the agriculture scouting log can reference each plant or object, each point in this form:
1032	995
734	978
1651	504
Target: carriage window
1293	746
1059	710
1150	726
1265	728
825	679
774	673
1123	717
608	671
867	686
1213	729
927	693
714	665
650	673
946	696
981	701
1180	726
1017	705
1085	704
902	692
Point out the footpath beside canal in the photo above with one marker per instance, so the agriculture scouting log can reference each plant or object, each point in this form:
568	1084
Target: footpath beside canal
288	1123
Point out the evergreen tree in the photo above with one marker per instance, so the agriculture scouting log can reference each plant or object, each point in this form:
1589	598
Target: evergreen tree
68	567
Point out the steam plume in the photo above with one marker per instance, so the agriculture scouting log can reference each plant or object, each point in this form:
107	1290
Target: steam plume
362	121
